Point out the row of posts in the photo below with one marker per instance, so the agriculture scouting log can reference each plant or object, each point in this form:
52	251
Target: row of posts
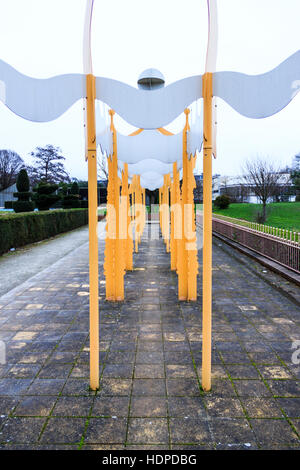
182	260
177	222
126	213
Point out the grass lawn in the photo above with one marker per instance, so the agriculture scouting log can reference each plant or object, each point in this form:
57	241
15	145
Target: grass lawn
281	214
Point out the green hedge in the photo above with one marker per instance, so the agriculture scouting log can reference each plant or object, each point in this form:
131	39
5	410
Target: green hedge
21	229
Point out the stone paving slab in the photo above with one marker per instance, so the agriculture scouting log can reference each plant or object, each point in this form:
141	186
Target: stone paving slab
150	361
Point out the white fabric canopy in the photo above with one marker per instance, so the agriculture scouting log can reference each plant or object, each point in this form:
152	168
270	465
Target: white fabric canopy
149	145
43	100
149	165
260	96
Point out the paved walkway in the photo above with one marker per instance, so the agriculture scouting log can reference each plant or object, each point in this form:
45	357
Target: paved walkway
18	266
151	396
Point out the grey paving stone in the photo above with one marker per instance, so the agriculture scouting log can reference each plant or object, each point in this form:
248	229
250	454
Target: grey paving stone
189	431
148	407
150	361
110	406
148	431
233	431
63	431
72	406
106	431
38	405
21	430
273	431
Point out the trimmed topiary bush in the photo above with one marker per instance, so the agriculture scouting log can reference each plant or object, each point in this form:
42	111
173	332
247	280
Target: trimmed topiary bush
71	200
8	204
45	197
84	204
222	202
17	230
23	204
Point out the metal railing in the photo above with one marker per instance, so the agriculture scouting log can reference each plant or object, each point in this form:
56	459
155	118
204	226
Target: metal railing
268	229
282	250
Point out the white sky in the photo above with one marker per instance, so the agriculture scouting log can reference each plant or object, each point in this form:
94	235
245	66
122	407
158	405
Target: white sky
42	38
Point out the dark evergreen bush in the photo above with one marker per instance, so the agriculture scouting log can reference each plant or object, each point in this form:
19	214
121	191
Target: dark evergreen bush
84	204
8	204
45	197
71	201
222	202
23	204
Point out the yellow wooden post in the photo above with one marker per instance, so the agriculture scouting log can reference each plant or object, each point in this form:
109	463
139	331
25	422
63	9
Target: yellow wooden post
128	241
207	230
110	234
93	237
160	203
190	235
182	252
167	222
114	264
173	215
162	210
177	209
118	252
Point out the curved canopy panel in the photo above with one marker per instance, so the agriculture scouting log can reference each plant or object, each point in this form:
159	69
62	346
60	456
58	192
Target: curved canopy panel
260	96
39	100
150	165
195	135
104	136
149	109
149	145
43	100
151	180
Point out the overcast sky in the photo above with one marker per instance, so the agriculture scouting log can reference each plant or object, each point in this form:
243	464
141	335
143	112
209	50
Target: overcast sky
42	38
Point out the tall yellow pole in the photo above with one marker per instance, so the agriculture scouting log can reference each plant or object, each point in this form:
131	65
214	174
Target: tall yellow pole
93	238
207	230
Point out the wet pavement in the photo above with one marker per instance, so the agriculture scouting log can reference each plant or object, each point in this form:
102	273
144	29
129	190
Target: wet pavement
150	395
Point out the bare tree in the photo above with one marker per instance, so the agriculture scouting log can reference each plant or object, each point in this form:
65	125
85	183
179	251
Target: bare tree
48	166
10	165
263	178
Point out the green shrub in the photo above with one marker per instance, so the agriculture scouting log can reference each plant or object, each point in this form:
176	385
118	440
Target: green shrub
70	201
17	230
74	189
45	197
222	202
23	204
84	204
8	204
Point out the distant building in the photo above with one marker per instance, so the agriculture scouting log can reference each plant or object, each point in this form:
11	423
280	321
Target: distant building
296	162
8	195
240	191
101	189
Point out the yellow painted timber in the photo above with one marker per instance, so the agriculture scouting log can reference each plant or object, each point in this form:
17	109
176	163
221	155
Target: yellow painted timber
207	86
173	242
182	254
114	263
93	237
129	241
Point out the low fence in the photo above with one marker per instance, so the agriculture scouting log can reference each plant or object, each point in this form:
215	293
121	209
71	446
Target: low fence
282	250
268	229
